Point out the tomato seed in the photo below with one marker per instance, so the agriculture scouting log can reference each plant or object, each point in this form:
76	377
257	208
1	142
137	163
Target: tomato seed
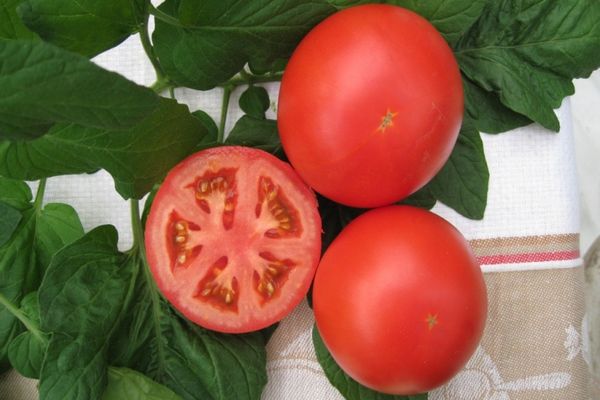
270	289
204	187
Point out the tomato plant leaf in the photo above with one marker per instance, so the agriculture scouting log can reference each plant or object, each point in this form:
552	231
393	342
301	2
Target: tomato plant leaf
255	102
14	193
528	51
57	225
125	383
341	4
9	219
26	351
41	84
195	363
11	26
258	133
82	298
87	27
450	17
221	36
211	126
137	158
348	387
423	198
462	184
335	217
486	111
25	256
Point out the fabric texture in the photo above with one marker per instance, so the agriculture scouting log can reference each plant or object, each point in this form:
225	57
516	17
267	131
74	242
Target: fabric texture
534	345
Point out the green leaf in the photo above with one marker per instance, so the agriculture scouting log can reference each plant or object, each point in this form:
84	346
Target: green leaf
335	217
423	198
462	184
528	51
15	193
209	123
19	275
487	112
9	219
127	384
255	102
221	36
196	364
11	26
137	158
41	84
348	387
259	133
82	300
57	226
26	352
88	27
450	17
24	257
341	4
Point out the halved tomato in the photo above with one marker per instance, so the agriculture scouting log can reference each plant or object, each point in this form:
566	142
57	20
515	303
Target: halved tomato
233	238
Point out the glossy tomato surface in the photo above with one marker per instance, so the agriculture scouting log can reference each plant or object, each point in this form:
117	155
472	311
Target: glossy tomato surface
400	300
370	105
233	238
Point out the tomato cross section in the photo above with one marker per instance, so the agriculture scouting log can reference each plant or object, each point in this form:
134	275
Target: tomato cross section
233	238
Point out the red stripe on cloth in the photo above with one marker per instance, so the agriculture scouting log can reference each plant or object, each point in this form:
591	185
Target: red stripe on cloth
528	257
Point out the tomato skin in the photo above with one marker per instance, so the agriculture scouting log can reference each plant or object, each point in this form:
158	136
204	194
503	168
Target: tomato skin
400	300
214	201
351	71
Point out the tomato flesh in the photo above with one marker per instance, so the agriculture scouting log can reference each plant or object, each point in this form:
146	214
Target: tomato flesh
370	105
400	300
233	238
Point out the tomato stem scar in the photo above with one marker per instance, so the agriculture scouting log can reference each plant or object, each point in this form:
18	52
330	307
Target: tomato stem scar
431	321
387	120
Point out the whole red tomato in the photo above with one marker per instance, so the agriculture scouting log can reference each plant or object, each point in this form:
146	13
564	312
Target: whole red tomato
370	105
399	300
233	238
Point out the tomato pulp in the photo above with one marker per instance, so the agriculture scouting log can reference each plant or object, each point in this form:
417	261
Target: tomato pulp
233	238
370	105
400	300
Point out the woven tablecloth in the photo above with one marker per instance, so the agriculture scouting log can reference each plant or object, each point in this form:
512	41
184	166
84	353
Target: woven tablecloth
528	245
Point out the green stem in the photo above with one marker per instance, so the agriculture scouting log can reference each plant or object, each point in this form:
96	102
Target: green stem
39	195
29	324
139	246
137	229
224	108
164	17
147	44
245	78
160	85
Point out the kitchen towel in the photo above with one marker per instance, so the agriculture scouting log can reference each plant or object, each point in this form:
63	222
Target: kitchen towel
534	345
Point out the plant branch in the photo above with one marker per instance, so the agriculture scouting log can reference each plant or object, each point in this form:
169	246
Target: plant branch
160	85
137	229
39	195
244	78
224	108
139	247
147	44
29	324
164	17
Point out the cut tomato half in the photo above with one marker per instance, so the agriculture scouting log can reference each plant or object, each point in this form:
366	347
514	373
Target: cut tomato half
233	238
